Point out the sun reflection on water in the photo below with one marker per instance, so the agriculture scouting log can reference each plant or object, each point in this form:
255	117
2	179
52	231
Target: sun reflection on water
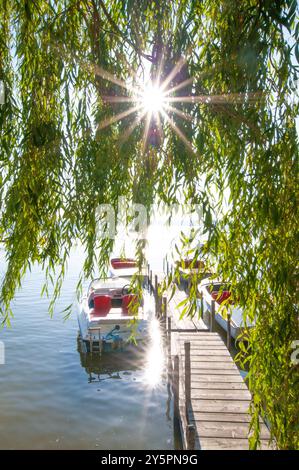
155	359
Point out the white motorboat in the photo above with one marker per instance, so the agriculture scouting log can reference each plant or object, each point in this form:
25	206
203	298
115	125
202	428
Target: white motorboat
107	316
217	290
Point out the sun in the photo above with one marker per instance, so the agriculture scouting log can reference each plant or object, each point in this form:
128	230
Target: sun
153	99
154	102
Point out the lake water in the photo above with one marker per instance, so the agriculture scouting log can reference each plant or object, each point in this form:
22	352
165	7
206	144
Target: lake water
54	397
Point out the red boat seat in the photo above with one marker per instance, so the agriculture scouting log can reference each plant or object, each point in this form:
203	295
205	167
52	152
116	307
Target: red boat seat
102	305
220	297
127	302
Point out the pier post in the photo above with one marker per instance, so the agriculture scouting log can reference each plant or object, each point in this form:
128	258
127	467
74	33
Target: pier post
190	436
212	318
228	337
187	378
169	359
148	276
164	309
156	285
169	337
156	296
176	388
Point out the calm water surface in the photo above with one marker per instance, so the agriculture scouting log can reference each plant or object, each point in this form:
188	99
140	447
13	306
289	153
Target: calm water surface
54	397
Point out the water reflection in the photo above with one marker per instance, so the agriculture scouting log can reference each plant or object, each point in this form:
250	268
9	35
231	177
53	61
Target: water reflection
110	365
149	358
155	357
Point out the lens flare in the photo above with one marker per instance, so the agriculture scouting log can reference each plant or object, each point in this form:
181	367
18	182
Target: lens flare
152	99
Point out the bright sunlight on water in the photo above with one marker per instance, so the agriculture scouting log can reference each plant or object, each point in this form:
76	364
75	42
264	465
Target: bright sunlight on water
53	396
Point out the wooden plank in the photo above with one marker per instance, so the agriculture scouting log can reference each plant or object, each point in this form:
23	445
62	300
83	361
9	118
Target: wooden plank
207	443
210	344
196	341
200	334
219	359
213	443
221	394
183	324
224	378
218	385
208	371
214	366
221	406
222	429
207	348
208	355
198	346
228	430
225	417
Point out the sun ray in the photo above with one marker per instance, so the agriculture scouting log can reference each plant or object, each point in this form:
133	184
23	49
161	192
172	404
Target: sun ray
99	71
227	98
117	99
189	81
159	125
160	68
146	129
173	73
178	112
126	134
112	119
179	133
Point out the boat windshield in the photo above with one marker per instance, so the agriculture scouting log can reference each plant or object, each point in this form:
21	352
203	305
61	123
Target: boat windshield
107	283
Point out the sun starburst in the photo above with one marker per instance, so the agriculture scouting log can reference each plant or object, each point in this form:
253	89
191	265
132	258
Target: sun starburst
155	103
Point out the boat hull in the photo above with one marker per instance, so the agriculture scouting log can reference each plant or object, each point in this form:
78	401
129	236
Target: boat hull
222	322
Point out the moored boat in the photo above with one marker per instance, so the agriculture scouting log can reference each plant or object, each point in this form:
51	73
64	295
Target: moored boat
110	313
213	289
123	267
190	270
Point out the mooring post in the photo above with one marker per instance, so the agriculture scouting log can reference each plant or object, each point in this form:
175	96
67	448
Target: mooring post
169	337
201	306
169	358
187	378
151	281
190	437
156	296
176	387
164	308
156	285
228	337
212	319
148	276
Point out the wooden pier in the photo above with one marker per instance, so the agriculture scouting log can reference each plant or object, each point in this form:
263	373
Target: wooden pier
211	399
